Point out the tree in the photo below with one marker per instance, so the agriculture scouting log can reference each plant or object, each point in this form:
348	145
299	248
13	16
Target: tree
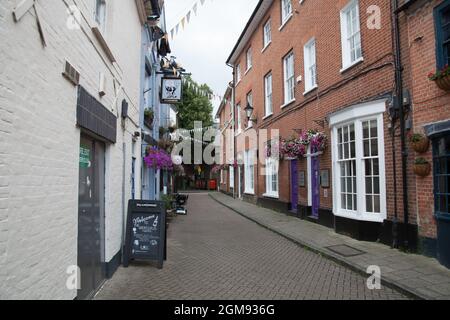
195	106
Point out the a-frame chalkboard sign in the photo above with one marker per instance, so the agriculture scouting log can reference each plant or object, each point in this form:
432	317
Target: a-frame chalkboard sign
146	232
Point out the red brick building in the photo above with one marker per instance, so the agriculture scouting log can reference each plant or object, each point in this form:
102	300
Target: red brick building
425	31
330	66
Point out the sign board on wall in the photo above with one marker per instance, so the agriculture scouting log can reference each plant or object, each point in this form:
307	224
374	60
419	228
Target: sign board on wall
146	232
171	90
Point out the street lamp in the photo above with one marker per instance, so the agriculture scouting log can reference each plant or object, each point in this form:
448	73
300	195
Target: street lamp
249	111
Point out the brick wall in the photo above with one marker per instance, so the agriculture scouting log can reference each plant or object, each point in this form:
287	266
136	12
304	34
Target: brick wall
430	104
372	78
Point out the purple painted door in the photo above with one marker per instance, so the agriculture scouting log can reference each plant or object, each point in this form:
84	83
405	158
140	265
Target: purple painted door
315	186
294	186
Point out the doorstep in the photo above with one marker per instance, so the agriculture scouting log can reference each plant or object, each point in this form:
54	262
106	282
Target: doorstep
417	276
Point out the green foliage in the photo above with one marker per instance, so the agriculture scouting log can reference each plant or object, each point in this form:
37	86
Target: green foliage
420	161
195	105
168	201
417	137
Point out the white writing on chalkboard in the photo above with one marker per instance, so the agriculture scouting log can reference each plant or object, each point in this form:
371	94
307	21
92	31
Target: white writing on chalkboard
140	220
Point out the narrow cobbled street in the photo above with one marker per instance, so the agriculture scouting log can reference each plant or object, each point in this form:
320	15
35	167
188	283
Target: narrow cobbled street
214	253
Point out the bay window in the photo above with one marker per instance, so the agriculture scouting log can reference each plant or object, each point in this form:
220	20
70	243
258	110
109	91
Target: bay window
358	163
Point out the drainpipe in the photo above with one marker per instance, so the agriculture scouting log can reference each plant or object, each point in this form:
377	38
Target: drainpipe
233	115
399	93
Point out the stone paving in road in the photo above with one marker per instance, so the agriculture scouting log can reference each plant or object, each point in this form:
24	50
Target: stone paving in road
214	253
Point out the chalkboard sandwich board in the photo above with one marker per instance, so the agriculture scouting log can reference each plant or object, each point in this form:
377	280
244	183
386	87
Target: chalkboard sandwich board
146	232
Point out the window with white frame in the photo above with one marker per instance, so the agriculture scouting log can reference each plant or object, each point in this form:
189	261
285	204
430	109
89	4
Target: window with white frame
272	165
358	164
249	164
350	34
267	34
310	65
238	73
268	95
289	78
286	10
100	13
238	118
249	58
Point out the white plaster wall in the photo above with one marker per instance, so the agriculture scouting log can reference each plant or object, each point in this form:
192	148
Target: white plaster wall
39	140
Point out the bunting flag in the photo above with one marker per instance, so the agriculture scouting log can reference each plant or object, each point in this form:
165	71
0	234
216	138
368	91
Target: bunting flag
186	19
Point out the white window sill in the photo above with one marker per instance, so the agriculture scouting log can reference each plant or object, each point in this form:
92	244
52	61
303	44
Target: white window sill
310	89
265	48
285	21
287	104
238	132
237	83
268	116
368	217
248	128
248	70
249	192
271	195
356	62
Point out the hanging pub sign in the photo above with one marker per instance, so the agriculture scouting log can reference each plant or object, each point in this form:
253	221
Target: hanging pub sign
146	232
171	90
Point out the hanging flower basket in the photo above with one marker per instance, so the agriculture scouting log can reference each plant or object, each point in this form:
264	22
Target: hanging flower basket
292	148
297	148
420	143
158	159
441	78
422	167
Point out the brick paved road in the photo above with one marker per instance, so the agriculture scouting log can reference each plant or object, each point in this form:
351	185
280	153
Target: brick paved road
214	253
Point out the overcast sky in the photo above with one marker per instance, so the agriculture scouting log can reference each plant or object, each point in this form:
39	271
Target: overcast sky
206	42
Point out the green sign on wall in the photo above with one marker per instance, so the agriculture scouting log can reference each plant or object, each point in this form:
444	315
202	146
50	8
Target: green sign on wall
85	157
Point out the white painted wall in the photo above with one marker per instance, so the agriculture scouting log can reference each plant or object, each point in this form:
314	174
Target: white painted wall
39	140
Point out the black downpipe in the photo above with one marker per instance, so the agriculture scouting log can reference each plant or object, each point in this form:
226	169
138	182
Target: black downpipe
399	94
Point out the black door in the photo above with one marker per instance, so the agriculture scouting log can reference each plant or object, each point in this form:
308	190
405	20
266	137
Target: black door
91	216
441	155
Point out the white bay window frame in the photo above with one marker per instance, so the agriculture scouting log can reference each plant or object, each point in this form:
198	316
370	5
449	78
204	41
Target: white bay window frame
357	116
